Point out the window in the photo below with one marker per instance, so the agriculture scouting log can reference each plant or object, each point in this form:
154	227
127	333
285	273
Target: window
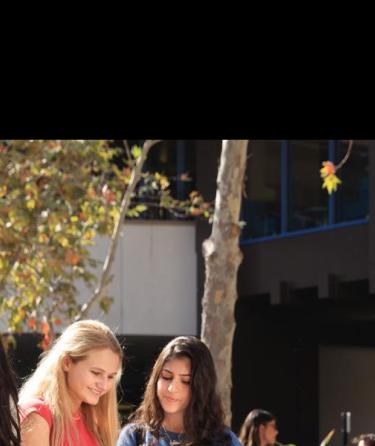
171	158
307	201
261	207
284	192
352	197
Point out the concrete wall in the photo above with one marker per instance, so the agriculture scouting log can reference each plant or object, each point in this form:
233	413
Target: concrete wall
305	261
155	284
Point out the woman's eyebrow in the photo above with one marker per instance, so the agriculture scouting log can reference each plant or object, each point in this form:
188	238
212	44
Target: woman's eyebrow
180	374
102	370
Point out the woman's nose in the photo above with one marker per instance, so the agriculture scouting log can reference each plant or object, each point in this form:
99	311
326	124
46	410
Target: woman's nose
172	386
103	384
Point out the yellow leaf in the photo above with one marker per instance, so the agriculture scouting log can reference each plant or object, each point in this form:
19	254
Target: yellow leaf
63	241
3	190
43	238
89	234
30	204
164	183
73	218
330	183
136	151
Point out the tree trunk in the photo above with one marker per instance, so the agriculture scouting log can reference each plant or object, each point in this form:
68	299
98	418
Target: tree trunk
222	257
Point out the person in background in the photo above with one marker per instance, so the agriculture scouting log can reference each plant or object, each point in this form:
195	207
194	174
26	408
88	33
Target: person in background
70	399
180	405
259	429
9	418
366	440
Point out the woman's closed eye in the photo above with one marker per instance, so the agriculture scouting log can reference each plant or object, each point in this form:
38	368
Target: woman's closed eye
94	372
166	377
170	378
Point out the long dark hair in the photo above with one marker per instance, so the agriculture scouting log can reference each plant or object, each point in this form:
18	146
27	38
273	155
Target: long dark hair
204	416
249	433
9	418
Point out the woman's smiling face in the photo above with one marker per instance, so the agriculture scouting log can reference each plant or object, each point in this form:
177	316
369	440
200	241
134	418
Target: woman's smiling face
92	377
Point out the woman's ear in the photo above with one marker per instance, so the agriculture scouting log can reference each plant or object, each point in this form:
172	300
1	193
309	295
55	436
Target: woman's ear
262	427
66	362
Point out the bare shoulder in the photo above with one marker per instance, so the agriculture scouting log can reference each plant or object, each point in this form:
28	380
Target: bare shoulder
35	431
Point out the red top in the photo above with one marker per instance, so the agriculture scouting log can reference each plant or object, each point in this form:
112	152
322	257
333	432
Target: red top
38	405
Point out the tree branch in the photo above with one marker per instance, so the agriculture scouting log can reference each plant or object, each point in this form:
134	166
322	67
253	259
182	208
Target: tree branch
105	279
346	157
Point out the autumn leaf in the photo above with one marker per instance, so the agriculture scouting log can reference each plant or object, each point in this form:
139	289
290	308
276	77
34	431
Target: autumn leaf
164	183
31	323
43	238
44	327
89	234
3	190
195	211
71	257
44	344
136	152
30	204
330	183
328	169
330	180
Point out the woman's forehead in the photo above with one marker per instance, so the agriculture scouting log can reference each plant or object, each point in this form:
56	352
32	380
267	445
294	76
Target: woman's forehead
179	365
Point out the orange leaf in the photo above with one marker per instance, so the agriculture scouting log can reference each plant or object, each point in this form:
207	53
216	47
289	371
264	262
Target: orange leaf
71	257
328	168
44	328
195	211
31	323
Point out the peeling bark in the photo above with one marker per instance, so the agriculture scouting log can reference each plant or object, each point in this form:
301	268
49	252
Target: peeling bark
222	257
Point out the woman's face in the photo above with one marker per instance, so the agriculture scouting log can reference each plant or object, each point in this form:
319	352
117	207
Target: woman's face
268	433
92	377
173	386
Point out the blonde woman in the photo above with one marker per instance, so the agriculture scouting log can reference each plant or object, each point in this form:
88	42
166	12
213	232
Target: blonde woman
70	399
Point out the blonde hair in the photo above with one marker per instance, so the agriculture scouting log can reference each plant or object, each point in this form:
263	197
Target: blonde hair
49	382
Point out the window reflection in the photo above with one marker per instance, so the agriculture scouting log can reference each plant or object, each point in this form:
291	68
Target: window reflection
261	206
352	196
307	201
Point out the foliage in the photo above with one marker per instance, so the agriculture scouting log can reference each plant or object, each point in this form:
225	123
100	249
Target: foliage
328	171
55	198
330	180
327	438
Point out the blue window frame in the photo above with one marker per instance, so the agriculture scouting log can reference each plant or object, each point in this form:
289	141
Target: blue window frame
284	195
171	158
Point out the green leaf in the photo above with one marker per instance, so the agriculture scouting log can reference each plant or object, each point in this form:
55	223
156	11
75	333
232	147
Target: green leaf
136	152
105	303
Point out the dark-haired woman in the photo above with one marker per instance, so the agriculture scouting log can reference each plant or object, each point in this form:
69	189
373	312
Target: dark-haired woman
9	419
180	405
259	429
